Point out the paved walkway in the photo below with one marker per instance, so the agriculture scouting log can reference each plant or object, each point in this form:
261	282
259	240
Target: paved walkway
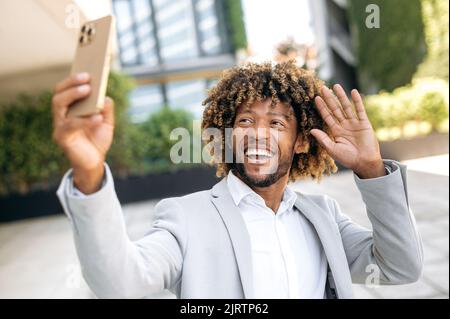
38	260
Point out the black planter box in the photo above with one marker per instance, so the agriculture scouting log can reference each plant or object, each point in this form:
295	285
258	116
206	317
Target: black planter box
131	189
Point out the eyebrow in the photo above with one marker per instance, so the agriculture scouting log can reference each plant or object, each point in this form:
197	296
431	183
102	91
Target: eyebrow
288	117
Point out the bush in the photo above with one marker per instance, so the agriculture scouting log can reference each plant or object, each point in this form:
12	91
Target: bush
27	154
433	109
153	137
435	18
388	56
28	157
121	155
425	100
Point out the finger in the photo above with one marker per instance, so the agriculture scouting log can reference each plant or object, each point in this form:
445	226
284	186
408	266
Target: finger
325	113
345	102
75	79
62	100
324	140
108	111
76	123
332	103
359	105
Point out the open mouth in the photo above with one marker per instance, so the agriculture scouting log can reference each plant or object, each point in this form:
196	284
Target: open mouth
258	155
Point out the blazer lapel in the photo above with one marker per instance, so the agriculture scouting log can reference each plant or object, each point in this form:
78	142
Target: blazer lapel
239	236
330	238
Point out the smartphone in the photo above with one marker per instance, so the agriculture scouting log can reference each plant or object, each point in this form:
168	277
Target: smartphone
93	55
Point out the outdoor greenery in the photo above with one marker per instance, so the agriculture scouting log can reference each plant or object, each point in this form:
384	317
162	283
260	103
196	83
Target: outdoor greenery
29	159
151	139
235	23
27	154
435	17
411	84
387	56
418	108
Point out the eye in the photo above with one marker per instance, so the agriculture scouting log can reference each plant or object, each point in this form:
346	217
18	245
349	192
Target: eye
277	123
245	121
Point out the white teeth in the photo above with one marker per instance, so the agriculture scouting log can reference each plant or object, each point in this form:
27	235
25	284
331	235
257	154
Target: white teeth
258	152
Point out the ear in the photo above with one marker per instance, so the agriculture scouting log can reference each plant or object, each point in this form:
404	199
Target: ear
301	146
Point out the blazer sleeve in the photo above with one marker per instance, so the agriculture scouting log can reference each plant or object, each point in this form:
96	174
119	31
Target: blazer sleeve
112	265
393	248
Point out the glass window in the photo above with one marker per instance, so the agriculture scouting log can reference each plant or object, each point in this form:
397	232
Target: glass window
176	30
148	54
187	95
178	36
208	25
145	100
125	33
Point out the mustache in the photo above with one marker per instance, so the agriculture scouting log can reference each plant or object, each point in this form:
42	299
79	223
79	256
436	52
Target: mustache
270	146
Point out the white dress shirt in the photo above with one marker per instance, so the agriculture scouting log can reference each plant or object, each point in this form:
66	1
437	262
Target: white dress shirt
288	258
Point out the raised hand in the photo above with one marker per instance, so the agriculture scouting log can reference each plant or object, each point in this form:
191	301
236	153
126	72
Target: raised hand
352	142
84	140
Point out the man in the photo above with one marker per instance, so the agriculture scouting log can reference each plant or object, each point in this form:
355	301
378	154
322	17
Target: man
250	236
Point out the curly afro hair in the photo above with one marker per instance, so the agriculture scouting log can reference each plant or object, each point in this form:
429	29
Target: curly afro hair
283	82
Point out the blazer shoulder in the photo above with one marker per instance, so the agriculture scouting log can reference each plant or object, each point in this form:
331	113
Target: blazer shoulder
185	202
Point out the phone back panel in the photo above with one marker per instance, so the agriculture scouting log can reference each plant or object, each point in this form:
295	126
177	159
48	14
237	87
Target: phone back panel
93	55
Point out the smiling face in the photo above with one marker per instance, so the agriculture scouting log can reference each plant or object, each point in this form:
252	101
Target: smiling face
251	82
265	142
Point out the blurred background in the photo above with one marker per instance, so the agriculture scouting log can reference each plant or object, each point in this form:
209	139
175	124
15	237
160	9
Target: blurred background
167	54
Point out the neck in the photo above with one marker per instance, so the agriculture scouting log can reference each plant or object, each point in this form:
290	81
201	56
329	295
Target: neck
272	194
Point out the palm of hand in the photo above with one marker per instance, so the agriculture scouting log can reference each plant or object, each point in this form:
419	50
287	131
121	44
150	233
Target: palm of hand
352	140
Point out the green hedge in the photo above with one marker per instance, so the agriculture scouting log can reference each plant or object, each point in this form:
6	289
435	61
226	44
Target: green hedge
388	56
235	23
30	160
435	17
425	100
27	153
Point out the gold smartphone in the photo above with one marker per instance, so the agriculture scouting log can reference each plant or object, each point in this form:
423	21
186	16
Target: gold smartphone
93	55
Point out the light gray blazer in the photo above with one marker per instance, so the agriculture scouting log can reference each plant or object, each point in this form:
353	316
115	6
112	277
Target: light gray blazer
199	247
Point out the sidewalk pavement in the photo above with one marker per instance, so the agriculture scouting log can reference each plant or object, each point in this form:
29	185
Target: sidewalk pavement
38	259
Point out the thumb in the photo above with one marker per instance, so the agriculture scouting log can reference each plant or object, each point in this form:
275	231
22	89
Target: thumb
323	140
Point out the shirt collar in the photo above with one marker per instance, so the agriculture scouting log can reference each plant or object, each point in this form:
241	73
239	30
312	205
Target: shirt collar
239	190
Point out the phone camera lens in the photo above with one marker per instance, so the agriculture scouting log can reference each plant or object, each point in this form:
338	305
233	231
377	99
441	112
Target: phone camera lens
83	28
81	39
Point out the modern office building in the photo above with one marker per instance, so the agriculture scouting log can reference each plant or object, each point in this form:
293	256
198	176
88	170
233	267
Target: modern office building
331	27
175	49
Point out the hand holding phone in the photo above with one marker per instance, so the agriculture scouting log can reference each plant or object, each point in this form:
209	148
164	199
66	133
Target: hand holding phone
93	55
84	140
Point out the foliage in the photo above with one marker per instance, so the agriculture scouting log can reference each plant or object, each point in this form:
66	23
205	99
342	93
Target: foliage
425	100
29	159
435	17
235	23
387	56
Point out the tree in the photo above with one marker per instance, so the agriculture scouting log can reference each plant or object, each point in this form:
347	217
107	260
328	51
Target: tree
387	56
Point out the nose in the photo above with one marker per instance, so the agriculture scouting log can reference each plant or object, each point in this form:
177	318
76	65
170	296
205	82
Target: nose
262	132
262	137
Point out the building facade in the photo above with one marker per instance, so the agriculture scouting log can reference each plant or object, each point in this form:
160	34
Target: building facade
175	49
333	39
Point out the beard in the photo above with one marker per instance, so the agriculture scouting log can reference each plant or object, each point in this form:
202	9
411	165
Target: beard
264	180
